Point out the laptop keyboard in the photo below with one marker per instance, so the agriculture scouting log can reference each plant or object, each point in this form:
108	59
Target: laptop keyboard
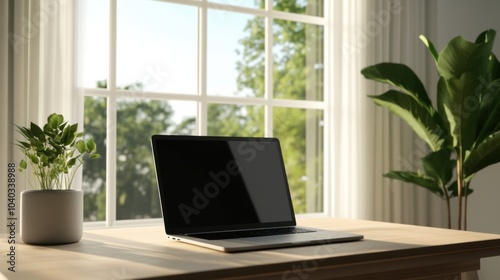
251	233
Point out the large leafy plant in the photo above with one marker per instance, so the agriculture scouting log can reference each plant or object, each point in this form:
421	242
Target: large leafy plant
54	152
463	130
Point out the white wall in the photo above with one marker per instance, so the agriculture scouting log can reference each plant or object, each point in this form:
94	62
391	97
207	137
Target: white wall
469	18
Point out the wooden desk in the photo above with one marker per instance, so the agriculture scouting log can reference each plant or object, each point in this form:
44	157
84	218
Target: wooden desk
389	251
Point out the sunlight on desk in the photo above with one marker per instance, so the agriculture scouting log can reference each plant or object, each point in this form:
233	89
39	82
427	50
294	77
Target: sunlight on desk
389	251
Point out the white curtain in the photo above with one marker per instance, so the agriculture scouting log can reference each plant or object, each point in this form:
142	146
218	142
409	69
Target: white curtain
368	140
4	105
37	79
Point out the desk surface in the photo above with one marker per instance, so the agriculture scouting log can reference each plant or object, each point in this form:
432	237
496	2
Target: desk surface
389	251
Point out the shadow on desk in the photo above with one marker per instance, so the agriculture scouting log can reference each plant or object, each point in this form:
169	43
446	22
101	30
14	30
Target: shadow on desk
389	251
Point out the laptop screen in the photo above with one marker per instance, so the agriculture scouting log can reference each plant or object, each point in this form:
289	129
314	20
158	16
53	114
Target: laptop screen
221	183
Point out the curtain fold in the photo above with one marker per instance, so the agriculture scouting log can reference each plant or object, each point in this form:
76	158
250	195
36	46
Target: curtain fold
4	104
368	140
37	42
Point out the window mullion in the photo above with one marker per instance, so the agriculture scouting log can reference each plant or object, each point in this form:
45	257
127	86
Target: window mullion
111	121
201	119
268	83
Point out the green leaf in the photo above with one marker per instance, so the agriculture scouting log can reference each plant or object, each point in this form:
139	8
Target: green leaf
44	160
64	135
493	65
55	120
439	166
63	126
24	144
417	179
48	130
430	47
73	128
23	165
33	158
483	155
80	146
71	134
460	56
72	162
58	147
486	36
400	76
25	132
37	132
95	156
489	114
418	116
91	147
461	108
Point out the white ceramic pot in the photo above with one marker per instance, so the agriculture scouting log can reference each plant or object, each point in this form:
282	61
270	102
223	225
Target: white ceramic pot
51	217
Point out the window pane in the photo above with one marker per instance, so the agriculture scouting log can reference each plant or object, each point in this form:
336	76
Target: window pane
298	60
301	135
94	171
157	46
95	38
243	3
138	119
235	54
235	120
304	7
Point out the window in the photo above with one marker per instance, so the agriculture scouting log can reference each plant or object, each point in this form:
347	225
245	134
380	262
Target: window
218	67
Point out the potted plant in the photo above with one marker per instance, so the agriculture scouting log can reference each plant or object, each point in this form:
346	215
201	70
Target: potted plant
462	130
52	212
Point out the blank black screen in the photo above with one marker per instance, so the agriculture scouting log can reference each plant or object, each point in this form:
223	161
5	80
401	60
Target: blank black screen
220	183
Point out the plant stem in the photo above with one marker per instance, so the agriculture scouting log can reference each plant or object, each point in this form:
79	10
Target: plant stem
466	189
459	188
448	208
68	185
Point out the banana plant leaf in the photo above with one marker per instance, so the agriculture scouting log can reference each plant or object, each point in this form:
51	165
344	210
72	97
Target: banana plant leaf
422	120
460	56
430	47
461	108
489	112
401	76
439	166
483	155
417	179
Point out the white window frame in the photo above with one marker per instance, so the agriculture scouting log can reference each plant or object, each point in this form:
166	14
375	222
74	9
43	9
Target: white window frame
112	93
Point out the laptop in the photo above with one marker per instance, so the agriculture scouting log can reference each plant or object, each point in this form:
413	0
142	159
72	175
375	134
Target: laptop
229	194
